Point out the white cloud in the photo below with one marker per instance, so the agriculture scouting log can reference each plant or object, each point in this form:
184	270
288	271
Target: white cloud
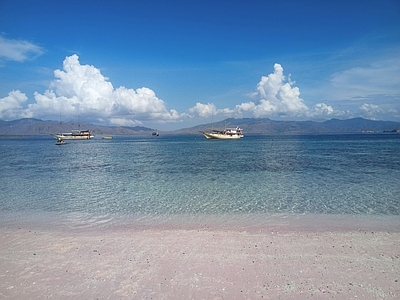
125	122
11	106
278	96
363	82
373	111
203	110
275	96
209	110
323	109
82	89
17	50
373	80
245	107
370	109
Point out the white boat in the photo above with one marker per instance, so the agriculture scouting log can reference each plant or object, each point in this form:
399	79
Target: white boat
75	135
226	134
107	137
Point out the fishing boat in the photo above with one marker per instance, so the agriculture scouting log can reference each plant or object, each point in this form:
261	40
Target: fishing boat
155	133
75	135
226	134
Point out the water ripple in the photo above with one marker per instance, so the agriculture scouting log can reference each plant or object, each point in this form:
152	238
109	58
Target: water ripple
181	175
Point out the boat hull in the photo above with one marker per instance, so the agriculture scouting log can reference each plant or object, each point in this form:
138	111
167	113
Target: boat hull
221	136
73	137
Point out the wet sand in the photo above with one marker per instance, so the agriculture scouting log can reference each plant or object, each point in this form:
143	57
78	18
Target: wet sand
198	262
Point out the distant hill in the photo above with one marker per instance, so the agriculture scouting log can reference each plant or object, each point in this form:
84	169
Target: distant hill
249	126
270	127
40	127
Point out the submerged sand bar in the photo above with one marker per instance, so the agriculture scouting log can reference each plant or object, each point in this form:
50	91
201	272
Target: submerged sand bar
203	260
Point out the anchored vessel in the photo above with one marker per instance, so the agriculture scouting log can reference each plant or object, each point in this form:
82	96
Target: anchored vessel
226	134
75	135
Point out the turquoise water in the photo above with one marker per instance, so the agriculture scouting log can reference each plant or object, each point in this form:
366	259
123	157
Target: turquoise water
190	175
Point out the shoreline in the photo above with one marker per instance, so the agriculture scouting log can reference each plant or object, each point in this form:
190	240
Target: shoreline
256	222
285	258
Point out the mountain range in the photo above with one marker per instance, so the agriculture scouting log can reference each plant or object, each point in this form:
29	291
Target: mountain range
249	125
39	127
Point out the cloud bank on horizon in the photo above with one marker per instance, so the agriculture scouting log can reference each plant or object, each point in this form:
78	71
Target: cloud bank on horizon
83	90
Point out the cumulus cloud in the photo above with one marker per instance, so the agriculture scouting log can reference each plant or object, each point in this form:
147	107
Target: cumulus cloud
321	109
373	111
18	50
370	109
278	96
275	96
11	106
203	110
82	89
209	110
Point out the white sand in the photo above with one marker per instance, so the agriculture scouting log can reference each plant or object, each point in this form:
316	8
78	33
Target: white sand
198	263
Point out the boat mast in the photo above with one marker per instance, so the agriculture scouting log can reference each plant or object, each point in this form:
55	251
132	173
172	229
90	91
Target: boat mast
60	124
79	113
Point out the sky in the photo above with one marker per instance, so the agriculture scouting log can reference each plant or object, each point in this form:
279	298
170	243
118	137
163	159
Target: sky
176	64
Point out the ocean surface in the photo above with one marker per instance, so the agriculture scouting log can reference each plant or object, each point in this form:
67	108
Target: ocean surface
187	178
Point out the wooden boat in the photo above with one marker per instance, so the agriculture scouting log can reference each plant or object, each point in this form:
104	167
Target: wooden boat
75	135
226	134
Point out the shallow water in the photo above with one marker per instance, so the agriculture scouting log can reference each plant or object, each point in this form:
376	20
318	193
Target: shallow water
145	177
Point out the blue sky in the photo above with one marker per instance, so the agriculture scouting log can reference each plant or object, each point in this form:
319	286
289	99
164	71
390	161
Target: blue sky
175	64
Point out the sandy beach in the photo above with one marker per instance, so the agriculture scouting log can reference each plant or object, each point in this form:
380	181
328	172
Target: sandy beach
168	262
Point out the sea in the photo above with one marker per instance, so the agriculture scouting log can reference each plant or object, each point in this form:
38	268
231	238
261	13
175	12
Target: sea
188	180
